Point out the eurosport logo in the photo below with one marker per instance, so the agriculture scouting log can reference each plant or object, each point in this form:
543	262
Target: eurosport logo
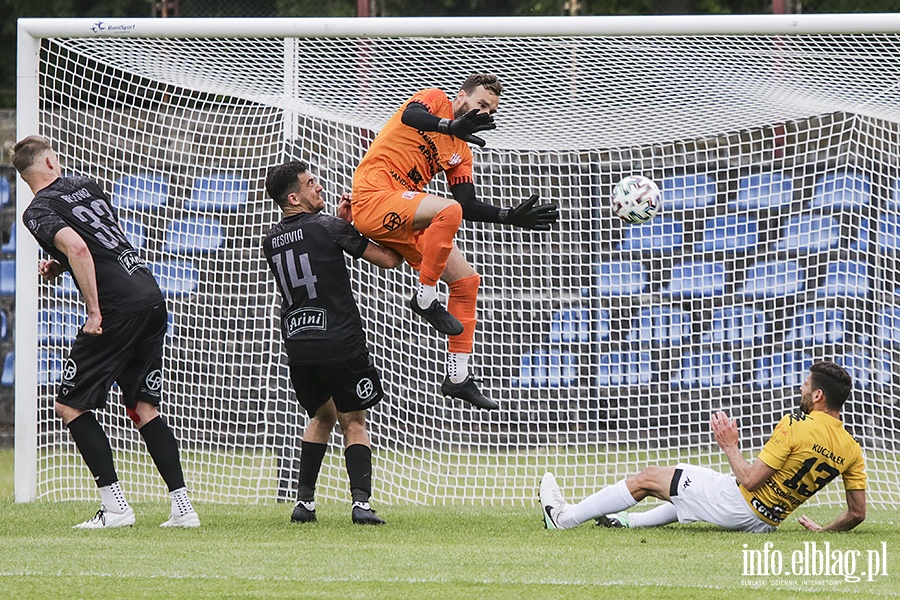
104	27
814	563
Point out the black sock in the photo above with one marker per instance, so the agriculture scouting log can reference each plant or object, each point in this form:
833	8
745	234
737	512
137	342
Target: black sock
163	448
311	457
92	442
358	459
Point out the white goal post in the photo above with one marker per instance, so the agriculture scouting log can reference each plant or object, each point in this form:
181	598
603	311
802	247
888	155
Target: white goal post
775	141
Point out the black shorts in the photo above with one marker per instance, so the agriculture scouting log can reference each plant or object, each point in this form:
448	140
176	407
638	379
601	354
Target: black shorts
128	352
353	384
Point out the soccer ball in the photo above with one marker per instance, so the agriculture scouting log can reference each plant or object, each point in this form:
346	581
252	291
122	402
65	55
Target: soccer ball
636	199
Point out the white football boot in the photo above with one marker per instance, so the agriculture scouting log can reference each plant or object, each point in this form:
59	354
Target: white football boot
552	501
104	519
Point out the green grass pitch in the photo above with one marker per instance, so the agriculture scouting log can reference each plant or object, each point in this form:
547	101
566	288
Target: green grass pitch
253	551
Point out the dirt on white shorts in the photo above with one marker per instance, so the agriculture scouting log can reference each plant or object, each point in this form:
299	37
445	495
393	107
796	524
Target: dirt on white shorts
702	494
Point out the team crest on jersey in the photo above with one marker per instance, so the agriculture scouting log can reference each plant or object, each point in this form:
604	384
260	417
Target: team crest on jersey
392	220
304	319
365	389
415	176
454	160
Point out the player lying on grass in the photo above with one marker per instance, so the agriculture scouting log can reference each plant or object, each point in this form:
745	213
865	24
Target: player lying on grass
806	451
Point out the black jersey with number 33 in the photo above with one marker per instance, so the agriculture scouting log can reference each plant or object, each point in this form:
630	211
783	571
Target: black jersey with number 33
124	283
319	319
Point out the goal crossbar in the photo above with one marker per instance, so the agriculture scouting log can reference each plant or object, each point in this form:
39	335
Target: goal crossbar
462	27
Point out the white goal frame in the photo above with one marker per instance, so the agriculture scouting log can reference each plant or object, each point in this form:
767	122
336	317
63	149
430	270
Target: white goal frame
32	31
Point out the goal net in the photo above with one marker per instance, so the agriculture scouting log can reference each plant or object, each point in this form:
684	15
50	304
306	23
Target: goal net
607	345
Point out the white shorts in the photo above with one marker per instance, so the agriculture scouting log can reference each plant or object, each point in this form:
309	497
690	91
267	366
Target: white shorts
709	496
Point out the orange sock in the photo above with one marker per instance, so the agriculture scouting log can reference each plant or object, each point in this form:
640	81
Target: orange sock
436	242
462	305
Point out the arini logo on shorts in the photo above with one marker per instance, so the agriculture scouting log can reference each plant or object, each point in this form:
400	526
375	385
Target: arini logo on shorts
365	389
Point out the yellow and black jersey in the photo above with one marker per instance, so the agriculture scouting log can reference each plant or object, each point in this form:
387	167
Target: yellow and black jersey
807	451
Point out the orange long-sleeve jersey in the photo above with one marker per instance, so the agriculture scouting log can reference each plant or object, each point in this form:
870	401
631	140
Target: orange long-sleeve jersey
403	158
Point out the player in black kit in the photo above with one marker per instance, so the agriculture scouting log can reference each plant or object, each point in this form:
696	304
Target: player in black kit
122	339
330	367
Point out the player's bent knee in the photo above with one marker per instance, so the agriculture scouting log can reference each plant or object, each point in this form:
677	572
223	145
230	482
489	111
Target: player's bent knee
451	215
352	420
67	413
142	413
653	479
467	287
323	421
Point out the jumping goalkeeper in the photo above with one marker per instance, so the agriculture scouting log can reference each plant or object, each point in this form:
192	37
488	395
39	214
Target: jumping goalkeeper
429	134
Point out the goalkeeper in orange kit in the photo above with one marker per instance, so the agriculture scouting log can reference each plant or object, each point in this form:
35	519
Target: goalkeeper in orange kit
429	134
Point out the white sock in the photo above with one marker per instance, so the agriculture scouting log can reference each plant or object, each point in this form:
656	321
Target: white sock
426	294
113	498
661	515
181	504
609	500
458	367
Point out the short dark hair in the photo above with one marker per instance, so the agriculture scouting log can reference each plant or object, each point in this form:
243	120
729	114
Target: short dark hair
282	180
488	82
26	151
834	381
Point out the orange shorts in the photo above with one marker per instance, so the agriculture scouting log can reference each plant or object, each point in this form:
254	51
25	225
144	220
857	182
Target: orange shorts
386	217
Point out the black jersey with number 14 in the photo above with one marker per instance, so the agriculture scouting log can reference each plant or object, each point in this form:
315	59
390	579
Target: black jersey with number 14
320	321
124	283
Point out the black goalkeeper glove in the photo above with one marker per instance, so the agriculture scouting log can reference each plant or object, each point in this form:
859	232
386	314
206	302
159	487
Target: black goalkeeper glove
466	125
529	216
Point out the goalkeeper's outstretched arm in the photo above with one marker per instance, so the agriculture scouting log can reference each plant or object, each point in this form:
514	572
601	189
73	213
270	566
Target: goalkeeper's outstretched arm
527	215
